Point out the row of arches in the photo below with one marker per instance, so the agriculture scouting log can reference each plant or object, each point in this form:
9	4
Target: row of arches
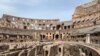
63	27
52	37
88	22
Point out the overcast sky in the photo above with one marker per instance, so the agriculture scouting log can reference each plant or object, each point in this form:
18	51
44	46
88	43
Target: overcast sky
40	9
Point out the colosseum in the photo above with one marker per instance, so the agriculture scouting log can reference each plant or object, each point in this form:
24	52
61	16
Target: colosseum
21	36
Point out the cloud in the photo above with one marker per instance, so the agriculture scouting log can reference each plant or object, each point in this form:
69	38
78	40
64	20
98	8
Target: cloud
6	7
18	7
11	5
39	8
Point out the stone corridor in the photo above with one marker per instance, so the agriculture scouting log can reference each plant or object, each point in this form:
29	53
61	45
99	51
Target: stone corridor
52	49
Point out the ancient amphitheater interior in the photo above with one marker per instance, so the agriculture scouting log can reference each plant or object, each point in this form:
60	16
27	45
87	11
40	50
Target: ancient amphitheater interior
20	36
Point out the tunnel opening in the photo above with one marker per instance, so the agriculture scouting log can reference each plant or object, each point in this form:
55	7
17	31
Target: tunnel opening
46	53
90	54
65	27
25	27
11	40
53	28
59	49
86	52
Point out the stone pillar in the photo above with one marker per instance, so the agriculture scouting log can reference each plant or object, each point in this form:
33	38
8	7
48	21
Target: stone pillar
17	36
35	36
28	53
54	37
81	53
7	36
88	38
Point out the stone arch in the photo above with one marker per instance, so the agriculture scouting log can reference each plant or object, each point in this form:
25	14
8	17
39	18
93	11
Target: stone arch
86	52
56	36
25	27
58	27
90	54
53	27
59	49
65	27
46	53
43	36
68	26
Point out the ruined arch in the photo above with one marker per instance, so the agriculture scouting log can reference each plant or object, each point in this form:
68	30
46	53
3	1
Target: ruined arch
57	36
58	27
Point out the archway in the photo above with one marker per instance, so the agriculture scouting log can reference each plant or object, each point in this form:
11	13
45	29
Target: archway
43	36
86	52
90	54
56	36
58	27
25	27
46	53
